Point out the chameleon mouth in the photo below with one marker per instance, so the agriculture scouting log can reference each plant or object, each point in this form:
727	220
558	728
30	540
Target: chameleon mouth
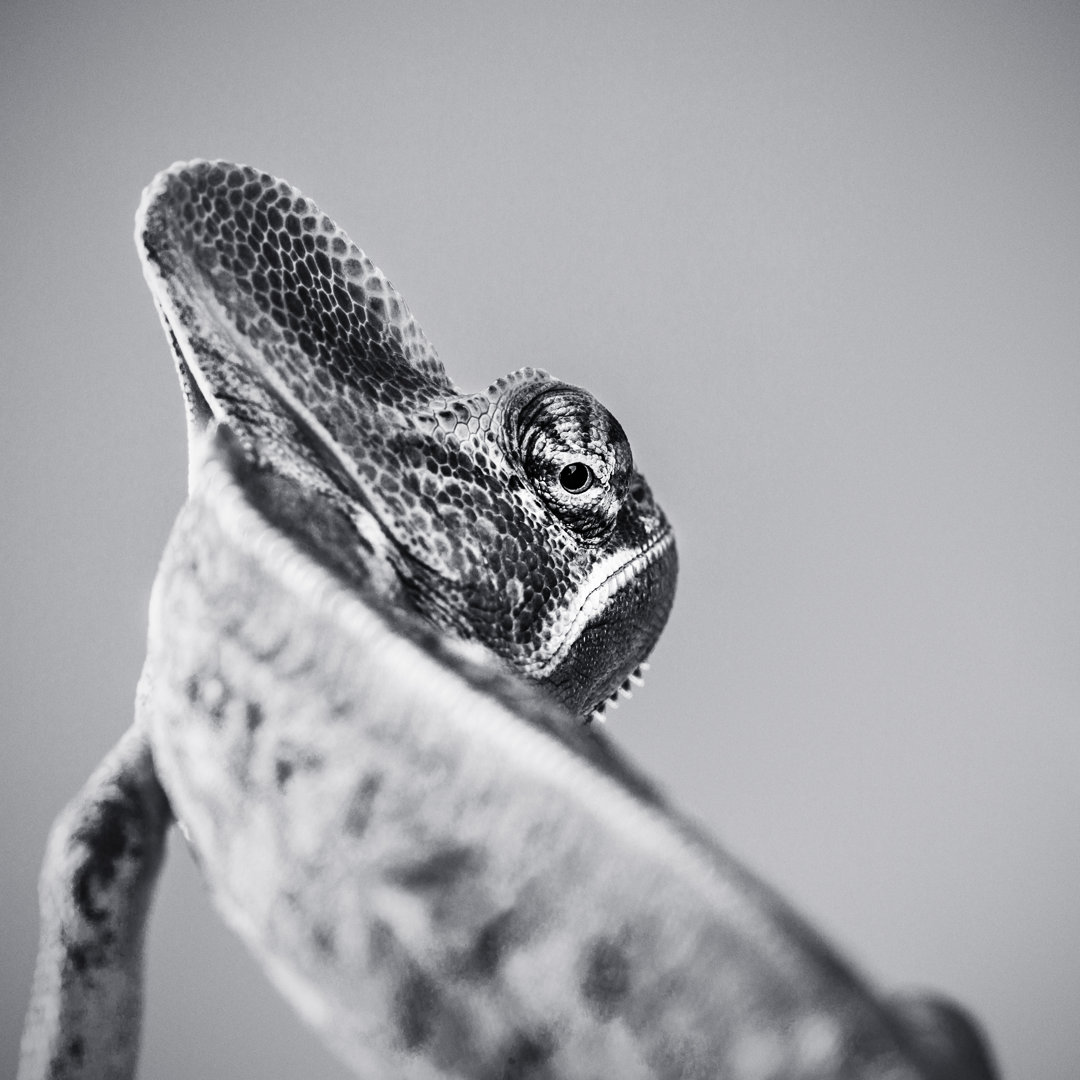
624	690
606	581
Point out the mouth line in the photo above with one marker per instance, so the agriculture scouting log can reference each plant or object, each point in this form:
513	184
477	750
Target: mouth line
597	594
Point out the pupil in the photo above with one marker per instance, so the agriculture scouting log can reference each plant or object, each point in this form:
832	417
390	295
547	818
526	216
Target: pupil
576	477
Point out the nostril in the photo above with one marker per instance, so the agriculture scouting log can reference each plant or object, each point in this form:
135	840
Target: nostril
639	492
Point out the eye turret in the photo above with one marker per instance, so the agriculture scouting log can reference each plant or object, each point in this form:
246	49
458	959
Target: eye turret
576	457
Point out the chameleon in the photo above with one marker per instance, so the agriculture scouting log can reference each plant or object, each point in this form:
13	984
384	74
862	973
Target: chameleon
384	618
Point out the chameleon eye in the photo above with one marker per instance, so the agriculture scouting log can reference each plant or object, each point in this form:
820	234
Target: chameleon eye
577	477
574	455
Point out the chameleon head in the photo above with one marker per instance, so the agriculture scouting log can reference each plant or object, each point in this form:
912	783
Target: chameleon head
519	521
514	518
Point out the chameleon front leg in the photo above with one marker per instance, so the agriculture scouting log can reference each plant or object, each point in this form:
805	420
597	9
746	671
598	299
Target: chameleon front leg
103	857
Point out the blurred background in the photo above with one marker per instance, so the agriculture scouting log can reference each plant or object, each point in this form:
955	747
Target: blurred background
822	261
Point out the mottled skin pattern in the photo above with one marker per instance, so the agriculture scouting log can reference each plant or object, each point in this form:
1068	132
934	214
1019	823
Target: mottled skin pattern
379	621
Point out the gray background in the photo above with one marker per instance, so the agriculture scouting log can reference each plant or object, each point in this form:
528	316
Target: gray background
822	260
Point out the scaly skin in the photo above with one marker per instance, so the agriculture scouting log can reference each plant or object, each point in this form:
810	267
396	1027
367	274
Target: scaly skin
285	331
377	616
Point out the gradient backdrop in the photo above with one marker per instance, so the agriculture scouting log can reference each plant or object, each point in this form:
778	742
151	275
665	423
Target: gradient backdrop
822	261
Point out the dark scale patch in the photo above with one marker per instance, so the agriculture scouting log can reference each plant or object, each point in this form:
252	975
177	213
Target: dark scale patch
441	870
490	945
76	1050
382	944
216	712
292	761
106	840
606	977
78	957
527	1056
324	940
253	716
362	804
416	1003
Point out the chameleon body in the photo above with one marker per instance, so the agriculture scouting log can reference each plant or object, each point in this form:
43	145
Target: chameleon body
379	622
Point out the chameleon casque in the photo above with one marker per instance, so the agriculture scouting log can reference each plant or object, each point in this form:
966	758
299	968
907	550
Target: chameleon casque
381	618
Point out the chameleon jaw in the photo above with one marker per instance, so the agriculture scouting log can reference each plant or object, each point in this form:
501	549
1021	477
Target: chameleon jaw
613	625
603	585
